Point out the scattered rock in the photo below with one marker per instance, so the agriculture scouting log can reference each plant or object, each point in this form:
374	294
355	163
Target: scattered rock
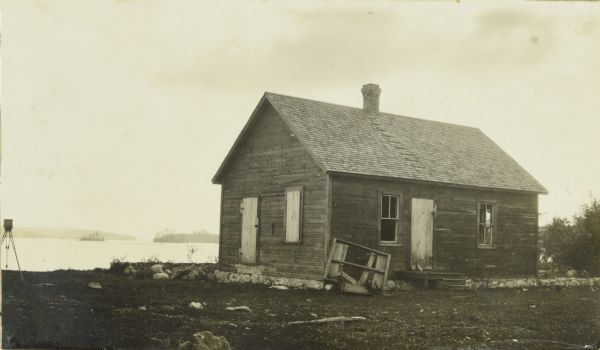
571	273
180	271
168	272
205	341
190	276
391	285
142	308
279	287
196	305
403	285
129	270
329	286
238	308
220	275
158	268
160	276
313	315
94	285
194	274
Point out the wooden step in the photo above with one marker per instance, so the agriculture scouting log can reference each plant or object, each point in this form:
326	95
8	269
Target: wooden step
454	281
435	279
455	287
429	275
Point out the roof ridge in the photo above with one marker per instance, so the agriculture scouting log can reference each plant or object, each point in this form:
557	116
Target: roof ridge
380	113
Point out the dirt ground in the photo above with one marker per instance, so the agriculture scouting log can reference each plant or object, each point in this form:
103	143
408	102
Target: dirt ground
58	310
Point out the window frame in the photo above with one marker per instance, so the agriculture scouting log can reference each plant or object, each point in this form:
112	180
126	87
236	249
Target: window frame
380	218
300	214
493	226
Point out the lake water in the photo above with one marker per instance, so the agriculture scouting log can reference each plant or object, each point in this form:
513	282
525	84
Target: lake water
42	254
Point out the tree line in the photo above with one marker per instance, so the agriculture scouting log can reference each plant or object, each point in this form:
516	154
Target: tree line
573	243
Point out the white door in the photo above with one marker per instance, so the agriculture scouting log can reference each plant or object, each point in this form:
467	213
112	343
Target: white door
249	228
421	234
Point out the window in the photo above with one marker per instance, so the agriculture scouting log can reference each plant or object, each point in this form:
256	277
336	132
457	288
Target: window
388	221
485	225
293	214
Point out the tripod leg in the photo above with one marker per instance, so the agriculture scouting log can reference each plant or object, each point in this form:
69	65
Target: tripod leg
16	257
1	243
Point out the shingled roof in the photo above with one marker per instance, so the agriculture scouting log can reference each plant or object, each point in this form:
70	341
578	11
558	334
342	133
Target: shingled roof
351	140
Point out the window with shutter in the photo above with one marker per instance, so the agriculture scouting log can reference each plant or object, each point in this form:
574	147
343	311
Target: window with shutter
293	215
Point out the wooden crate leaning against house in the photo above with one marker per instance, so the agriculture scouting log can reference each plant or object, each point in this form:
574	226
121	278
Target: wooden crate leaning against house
374	272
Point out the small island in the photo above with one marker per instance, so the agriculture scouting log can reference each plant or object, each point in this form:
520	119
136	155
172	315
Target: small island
196	237
69	233
94	236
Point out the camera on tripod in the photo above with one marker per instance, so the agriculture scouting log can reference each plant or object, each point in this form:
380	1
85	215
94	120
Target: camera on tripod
8	237
8	225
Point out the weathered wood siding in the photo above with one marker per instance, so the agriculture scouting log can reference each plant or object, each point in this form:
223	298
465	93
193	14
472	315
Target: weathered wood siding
354	216
267	161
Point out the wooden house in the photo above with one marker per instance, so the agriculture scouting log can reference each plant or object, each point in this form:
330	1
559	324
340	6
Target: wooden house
436	196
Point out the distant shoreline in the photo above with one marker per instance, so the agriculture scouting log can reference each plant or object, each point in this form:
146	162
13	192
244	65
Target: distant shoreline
67	233
187	238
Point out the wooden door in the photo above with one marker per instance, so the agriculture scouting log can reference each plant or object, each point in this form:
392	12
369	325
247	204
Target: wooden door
421	234
249	229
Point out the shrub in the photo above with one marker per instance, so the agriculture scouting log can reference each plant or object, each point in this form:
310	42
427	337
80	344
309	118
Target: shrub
574	244
152	260
117	265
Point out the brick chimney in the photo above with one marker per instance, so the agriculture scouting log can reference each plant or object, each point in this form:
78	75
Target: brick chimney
370	94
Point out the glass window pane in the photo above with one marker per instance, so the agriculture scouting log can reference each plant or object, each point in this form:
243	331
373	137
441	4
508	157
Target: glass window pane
482	213
394	207
488	215
481	236
488	235
385	206
388	230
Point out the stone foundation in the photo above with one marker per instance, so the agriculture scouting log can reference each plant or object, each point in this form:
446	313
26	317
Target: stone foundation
535	282
232	277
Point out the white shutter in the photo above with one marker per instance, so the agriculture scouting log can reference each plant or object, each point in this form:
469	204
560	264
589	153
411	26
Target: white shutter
293	214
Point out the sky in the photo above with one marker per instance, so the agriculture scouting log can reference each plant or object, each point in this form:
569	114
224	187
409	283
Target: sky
117	114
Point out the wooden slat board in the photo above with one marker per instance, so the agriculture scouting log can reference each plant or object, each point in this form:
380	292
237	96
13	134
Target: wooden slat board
340	251
377	266
293	215
378	278
421	234
365	275
249	229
